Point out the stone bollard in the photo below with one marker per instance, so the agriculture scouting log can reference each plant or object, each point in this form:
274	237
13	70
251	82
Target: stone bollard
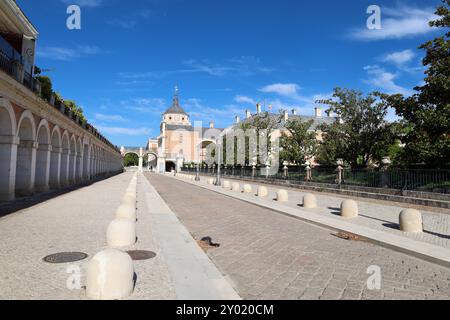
410	220
248	188
121	233
282	196
349	209
126	212
211	181
110	275
309	201
262	192
236	187
129	199
226	184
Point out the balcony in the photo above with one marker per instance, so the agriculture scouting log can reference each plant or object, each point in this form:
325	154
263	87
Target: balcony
11	62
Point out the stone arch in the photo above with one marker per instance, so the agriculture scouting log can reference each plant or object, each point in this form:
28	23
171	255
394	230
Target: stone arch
26	154
73	159
206	147
152	160
125	153
91	161
55	158
43	154
65	159
8	150
7	119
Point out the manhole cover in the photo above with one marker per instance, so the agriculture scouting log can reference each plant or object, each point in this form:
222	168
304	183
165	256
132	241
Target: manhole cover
65	257
141	254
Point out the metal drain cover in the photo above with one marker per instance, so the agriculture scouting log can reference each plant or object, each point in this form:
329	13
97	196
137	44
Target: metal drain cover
141	254
65	257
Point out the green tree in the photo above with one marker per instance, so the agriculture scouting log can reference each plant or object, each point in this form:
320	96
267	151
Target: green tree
130	159
361	134
299	143
427	112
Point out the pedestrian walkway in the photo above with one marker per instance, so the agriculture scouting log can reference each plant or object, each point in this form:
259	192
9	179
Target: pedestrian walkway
77	222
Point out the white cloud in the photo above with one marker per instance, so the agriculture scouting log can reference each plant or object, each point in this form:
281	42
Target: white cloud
245	99
67	54
398	23
384	80
146	105
400	57
110	117
283	89
124	131
84	3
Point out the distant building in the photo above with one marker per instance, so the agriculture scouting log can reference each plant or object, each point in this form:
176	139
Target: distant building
180	141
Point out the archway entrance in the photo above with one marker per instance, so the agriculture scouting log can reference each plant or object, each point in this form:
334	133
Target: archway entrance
170	165
130	159
150	161
26	156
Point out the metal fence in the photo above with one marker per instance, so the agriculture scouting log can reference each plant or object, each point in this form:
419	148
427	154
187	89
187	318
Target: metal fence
414	179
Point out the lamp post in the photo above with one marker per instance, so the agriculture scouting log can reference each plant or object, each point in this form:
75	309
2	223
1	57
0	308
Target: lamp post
219	147
197	174
340	171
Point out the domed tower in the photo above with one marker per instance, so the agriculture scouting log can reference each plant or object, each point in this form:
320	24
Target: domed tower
175	115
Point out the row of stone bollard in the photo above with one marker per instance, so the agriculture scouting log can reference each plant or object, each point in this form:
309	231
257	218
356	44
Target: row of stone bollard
186	176
410	220
110	273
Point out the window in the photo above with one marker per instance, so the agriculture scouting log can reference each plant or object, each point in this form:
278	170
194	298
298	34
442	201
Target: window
181	138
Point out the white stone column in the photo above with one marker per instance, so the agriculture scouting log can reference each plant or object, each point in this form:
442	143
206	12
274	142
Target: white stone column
8	158
88	164
55	167
73	170
43	167
26	167
79	176
64	178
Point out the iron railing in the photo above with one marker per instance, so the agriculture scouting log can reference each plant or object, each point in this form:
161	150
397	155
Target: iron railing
437	181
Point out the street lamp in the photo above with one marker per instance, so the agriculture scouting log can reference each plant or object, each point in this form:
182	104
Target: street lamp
219	147
197	175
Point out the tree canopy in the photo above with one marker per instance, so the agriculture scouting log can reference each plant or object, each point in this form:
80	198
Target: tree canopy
360	134
426	114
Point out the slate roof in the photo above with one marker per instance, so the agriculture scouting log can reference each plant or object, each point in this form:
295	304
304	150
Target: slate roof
175	108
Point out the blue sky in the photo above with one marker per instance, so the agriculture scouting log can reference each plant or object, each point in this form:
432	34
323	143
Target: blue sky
225	55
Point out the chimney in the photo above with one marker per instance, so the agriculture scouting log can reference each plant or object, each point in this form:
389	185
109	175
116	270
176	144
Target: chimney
294	112
258	108
317	112
237	119
247	114
286	115
211	124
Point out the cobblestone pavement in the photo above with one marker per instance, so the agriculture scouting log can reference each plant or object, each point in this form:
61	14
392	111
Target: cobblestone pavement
379	216
271	256
75	221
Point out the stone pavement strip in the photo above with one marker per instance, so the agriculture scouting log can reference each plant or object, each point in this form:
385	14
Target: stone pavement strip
77	221
268	255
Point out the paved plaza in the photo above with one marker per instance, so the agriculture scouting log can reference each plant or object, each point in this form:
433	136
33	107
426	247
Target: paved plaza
271	256
262	254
